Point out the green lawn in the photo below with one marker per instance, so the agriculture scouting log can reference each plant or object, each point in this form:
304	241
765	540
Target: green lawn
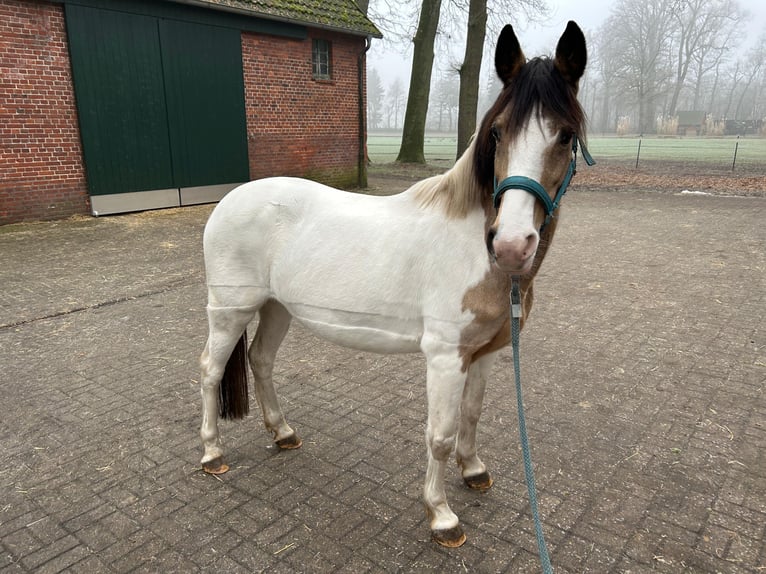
751	151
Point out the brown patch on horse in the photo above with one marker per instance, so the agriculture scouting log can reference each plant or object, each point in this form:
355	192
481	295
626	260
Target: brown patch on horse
490	303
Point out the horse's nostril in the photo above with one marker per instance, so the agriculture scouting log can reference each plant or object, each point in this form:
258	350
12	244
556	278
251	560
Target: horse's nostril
531	246
490	239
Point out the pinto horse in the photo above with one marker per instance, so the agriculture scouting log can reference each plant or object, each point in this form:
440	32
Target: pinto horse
426	270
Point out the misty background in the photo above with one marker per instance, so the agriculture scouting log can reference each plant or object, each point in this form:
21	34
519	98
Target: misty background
655	67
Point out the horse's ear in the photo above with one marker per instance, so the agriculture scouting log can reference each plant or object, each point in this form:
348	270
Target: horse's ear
508	55
571	54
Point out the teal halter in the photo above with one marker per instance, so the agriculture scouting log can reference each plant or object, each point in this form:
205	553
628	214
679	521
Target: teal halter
535	188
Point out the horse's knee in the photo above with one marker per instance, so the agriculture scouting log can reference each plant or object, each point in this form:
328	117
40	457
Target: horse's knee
441	446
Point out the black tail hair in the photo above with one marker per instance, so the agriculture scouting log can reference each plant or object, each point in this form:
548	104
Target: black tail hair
233	400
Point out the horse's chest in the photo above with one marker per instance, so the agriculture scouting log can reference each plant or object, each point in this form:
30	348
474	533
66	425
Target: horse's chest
489	304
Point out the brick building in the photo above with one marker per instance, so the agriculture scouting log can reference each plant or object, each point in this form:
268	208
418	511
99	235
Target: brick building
121	105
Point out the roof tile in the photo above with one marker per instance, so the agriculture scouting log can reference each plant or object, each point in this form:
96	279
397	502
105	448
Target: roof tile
342	15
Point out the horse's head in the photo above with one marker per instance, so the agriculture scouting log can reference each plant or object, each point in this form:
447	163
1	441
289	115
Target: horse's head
525	144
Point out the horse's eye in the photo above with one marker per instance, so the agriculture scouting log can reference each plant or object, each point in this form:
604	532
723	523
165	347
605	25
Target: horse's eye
565	137
495	131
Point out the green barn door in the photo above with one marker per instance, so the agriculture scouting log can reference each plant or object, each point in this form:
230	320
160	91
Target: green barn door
161	107
203	80
119	86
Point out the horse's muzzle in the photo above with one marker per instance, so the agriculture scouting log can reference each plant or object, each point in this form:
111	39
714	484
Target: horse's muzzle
515	254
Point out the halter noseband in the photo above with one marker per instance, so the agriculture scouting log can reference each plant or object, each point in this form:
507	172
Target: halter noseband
535	188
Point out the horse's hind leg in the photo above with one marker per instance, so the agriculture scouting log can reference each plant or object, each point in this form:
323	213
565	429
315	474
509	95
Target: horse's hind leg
474	472
226	326
272	328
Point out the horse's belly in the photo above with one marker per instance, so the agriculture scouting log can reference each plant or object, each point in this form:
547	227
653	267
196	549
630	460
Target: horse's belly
362	331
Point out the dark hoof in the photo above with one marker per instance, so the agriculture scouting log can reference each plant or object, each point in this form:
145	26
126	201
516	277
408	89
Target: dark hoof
290	442
479	482
451	537
215	466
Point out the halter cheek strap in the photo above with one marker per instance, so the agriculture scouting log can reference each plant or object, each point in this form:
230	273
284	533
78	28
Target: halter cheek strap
535	188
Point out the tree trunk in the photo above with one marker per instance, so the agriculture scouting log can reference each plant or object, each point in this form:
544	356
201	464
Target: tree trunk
413	133
698	88
470	71
682	66
605	112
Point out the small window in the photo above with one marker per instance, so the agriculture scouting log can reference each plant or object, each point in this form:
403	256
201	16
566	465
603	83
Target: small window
320	59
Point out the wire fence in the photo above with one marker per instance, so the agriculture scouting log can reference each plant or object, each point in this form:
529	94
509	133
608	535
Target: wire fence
737	155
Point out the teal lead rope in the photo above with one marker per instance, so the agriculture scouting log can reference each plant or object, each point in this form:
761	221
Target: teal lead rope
545	560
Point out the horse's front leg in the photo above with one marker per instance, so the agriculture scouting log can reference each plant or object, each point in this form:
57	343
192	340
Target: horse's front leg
445	381
474	471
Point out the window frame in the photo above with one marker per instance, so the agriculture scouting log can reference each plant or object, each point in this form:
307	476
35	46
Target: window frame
321	49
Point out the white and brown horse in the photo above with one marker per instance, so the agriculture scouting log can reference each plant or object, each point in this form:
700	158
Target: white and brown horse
427	270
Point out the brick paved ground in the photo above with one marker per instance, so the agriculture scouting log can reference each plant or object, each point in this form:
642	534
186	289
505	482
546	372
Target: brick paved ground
644	369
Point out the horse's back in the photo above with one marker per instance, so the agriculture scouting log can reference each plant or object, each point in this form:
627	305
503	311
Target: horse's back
255	222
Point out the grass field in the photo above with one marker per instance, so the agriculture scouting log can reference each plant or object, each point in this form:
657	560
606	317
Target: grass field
717	152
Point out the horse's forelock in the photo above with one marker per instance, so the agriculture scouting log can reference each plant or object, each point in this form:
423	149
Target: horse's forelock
537	88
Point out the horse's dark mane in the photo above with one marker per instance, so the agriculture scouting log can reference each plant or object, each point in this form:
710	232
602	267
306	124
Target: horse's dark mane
540	87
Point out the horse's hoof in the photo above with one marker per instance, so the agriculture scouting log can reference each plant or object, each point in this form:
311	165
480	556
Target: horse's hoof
480	482
451	537
290	442
215	466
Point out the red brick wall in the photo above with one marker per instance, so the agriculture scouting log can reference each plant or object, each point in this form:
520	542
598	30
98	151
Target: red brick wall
41	166
297	125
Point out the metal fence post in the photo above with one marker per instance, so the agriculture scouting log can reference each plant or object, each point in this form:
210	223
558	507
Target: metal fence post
736	147
638	153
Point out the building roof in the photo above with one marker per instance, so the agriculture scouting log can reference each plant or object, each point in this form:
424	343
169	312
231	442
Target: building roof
339	15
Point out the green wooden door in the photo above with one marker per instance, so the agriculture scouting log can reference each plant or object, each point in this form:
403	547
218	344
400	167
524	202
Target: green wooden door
119	86
203	80
161	106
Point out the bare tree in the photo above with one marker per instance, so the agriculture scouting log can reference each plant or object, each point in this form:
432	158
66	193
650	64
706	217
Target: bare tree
375	97
700	23
753	66
395	104
641	33
659	55
413	133
479	21
470	72
394	18
604	63
445	103
709	58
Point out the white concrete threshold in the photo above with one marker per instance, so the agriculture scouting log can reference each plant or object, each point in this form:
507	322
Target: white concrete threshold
158	198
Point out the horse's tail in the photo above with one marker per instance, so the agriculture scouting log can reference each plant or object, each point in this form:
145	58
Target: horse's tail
233	399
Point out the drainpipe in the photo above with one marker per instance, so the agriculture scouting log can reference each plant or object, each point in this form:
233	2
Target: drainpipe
362	160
